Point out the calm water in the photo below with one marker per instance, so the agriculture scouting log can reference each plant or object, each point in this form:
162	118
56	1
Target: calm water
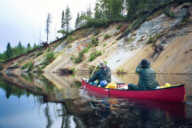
21	109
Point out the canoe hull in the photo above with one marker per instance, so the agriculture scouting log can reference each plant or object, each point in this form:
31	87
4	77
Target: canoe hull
172	94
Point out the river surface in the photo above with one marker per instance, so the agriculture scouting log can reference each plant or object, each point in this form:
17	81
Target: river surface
22	109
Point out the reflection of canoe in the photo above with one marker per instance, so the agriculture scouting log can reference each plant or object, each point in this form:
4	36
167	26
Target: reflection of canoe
171	94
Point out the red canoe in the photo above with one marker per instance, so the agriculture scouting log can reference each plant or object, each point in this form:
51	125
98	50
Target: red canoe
171	94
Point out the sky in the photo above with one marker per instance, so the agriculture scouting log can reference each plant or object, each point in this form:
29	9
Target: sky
25	20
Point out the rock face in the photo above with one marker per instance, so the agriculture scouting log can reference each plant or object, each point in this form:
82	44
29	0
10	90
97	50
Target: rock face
60	47
129	45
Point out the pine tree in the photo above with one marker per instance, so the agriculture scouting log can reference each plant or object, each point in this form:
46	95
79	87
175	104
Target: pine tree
110	9
67	18
77	21
35	46
63	24
19	45
98	10
28	47
9	52
116	8
131	8
89	13
19	49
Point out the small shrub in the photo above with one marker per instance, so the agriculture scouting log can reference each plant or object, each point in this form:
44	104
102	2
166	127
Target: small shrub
119	26
28	77
38	54
81	55
116	33
107	36
1	60
16	65
77	83
94	55
70	39
39	70
1	67
63	32
28	66
49	57
24	66
184	22
153	39
129	40
96	32
78	59
73	70
135	24
101	22
48	49
94	41
85	50
169	13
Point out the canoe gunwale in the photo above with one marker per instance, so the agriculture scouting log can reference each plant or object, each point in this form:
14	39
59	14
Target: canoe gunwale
149	89
181	85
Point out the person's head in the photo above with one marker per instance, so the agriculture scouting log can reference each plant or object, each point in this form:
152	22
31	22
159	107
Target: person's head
102	65
145	63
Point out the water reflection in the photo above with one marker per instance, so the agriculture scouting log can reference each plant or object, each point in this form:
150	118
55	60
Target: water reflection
39	81
118	113
21	109
9	89
68	91
47	114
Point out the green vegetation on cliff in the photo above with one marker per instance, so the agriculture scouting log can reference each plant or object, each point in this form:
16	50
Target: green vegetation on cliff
12	52
108	11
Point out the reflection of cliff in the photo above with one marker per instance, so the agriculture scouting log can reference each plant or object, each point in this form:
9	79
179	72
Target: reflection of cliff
11	90
126	114
48	116
66	85
66	88
65	118
36	84
69	120
117	113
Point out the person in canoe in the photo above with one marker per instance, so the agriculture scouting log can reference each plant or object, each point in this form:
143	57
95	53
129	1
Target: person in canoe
147	77
103	75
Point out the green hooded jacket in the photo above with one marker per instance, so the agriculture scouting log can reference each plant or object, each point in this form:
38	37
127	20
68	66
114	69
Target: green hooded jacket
147	77
102	74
